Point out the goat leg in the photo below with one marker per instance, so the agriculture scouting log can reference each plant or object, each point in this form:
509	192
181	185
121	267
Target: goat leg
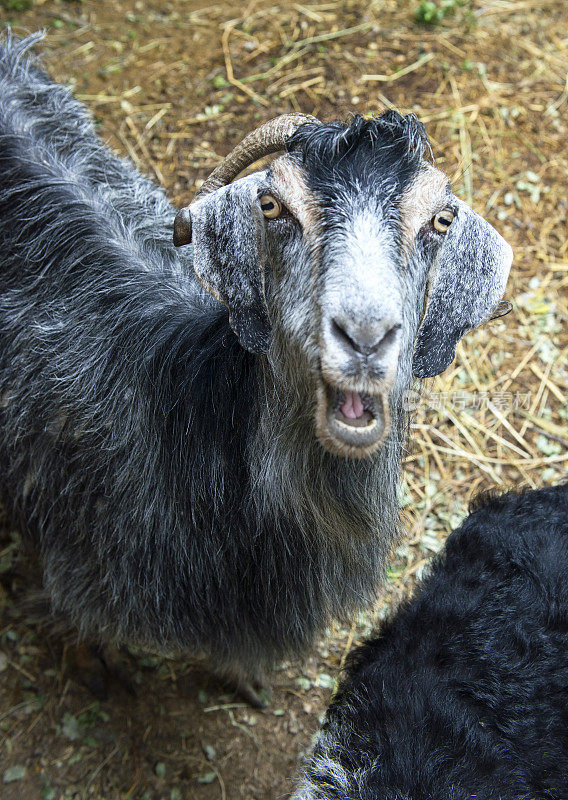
97	665
255	691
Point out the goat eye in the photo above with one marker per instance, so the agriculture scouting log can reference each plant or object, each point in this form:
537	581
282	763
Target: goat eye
271	207
443	220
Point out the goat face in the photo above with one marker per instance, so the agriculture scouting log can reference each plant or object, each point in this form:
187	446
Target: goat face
326	259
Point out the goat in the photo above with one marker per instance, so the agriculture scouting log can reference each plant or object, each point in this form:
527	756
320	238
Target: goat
207	481
464	693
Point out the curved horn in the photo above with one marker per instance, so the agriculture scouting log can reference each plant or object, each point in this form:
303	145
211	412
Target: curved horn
267	138
182	228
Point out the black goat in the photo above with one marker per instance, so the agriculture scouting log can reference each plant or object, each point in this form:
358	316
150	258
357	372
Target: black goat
185	493
464	694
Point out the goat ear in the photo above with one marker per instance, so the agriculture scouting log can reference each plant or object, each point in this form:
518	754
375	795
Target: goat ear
464	287
228	257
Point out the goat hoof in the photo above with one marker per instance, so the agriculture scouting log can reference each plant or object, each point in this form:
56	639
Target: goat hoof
255	692
257	697
97	666
90	670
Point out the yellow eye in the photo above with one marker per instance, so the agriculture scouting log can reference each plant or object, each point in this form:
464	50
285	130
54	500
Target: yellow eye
271	207
443	220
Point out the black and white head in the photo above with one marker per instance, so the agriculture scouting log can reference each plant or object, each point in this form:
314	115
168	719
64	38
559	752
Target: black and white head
320	257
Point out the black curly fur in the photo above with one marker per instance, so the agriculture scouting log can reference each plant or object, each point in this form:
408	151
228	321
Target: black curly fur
337	156
465	692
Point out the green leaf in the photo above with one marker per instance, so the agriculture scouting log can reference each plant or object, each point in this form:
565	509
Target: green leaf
207	777
210	753
548	447
16	5
15	773
70	727
325	681
90	741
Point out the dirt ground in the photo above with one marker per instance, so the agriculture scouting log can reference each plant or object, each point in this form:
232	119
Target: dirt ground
173	85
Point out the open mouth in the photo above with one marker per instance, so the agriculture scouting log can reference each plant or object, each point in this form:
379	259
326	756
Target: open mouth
351	423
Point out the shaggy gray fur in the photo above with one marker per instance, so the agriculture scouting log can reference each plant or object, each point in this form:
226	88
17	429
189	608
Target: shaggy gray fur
170	481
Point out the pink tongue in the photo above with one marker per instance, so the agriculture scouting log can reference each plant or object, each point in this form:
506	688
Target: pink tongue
352	408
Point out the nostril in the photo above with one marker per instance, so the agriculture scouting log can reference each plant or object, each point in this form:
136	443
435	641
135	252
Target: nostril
340	333
367	340
388	339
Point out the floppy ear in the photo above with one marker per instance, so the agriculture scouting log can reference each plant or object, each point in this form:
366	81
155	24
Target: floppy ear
227	230
465	285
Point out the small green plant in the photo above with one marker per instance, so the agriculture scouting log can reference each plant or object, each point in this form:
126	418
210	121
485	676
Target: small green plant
48	792
16	5
432	12
428	13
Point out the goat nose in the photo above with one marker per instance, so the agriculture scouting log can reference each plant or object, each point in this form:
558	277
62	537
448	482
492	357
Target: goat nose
371	339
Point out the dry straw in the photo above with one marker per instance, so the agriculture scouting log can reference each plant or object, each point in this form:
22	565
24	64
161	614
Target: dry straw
176	85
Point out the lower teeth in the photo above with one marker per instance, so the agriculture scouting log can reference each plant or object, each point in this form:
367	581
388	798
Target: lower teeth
367	420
